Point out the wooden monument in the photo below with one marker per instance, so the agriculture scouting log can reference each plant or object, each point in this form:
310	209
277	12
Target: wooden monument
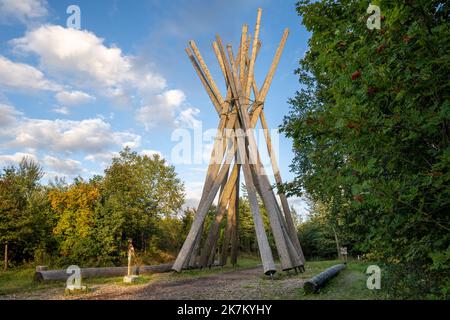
235	149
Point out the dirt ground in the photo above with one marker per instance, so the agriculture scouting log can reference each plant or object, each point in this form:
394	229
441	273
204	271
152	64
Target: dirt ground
240	284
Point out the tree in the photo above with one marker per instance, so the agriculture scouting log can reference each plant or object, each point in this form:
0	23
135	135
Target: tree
370	127
140	191
318	234
18	201
75	231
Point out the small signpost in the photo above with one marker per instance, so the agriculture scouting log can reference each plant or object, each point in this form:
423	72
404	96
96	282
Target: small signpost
343	251
130	277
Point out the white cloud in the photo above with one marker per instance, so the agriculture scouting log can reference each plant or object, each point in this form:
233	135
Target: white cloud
8	115
89	136
193	193
82	58
63	166
22	10
173	98
187	118
53	140
101	157
72	98
62	110
14	159
300	206
23	77
162	110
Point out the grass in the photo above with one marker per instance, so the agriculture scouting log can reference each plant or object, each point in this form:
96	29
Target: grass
311	269
243	263
21	280
349	284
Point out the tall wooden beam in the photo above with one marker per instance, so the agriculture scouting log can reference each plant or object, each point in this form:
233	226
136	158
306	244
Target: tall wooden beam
284	203
251	67
242	106
231	211
235	226
275	210
261	237
227	189
266	254
201	213
234	113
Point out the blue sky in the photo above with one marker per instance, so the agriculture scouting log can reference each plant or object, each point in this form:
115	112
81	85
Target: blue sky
71	99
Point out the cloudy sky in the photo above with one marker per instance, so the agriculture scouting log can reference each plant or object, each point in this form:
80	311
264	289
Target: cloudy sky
72	99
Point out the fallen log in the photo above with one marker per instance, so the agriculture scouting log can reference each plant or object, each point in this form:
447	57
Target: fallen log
61	275
315	283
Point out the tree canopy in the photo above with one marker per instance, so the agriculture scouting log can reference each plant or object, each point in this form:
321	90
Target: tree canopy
370	126
89	222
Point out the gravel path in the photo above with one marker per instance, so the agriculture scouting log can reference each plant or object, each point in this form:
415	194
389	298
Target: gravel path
240	284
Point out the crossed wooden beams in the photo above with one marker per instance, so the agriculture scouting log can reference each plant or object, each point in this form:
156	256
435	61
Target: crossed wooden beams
235	144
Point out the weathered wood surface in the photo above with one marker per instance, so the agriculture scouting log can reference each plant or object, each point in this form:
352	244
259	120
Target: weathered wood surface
61	275
202	210
317	282
240	112
264	248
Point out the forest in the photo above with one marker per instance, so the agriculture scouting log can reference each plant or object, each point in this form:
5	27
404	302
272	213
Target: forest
89	222
370	125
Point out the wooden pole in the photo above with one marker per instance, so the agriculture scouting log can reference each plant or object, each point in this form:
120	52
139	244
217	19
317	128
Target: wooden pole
273	67
201	213
279	181
243	54
288	264
216	154
211	175
6	257
260	98
251	68
204	81
234	114
229	226
206	72
193	259
212	256
215	224
268	80
235	227
266	254
242	104
265	187
261	237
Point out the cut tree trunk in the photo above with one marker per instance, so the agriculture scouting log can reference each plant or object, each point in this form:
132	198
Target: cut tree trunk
60	275
314	284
